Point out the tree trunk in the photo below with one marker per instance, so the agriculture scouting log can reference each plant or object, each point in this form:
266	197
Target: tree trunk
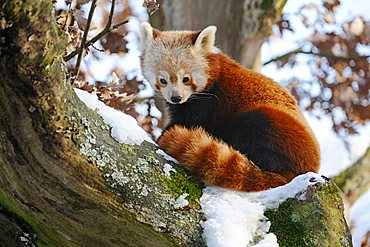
64	181
313	221
51	146
243	25
355	180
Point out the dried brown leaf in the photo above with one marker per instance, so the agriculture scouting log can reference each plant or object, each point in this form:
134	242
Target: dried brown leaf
78	14
79	2
151	6
114	43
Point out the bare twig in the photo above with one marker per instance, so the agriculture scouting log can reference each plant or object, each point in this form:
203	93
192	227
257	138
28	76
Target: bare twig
69	16
119	24
83	42
300	51
142	99
108	28
285	56
95	38
109	22
151	6
97	49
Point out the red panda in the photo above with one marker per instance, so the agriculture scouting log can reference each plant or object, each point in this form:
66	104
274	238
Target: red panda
231	126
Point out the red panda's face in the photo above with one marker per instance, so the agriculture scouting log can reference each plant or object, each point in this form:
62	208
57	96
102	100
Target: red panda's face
174	62
176	88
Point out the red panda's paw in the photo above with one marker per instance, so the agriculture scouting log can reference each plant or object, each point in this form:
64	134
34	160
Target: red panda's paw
175	140
180	142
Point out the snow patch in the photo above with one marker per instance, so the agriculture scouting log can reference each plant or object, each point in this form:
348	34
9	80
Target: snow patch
167	169
236	218
166	156
181	201
360	215
124	127
269	240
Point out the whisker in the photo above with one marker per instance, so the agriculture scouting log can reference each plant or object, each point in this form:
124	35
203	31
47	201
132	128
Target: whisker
204	95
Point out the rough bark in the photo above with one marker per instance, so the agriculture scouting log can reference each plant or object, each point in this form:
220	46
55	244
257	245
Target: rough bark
64	181
355	180
311	219
243	25
58	162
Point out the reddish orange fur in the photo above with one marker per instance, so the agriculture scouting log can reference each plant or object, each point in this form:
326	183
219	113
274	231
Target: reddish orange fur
287	144
219	164
234	172
192	84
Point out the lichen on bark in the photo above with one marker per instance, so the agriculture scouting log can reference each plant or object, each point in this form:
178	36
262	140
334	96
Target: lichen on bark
51	181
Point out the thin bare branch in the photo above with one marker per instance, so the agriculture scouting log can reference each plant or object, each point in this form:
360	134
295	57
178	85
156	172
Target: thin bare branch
151	6
83	42
285	56
95	38
119	24
110	18
300	51
69	16
108	28
97	49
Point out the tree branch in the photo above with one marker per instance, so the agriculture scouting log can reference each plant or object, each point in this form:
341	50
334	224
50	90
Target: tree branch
285	56
49	152
83	42
355	180
300	51
69	15
108	28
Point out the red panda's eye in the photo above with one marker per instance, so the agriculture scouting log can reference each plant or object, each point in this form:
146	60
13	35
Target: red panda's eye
185	80
163	81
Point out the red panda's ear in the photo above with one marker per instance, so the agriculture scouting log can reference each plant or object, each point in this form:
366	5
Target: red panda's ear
147	34
194	36
205	40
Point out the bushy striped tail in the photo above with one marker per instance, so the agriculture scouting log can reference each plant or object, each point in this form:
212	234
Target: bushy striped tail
216	162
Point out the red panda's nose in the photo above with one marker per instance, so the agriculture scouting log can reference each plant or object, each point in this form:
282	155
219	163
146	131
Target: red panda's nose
176	99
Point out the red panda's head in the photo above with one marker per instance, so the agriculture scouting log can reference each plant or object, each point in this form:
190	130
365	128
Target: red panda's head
174	62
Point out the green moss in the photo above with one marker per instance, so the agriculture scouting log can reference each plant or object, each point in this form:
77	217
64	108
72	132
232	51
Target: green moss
267	4
61	33
182	183
32	223
340	180
288	226
316	221
43	231
129	150
280	7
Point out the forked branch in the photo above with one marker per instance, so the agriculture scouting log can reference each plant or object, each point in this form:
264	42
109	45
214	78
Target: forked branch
85	44
80	51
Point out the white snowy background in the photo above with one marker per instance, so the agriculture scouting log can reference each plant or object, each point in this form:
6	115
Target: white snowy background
233	228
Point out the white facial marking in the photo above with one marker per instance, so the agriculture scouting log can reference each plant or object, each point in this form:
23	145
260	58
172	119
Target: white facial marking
159	59
180	75
164	75
174	88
